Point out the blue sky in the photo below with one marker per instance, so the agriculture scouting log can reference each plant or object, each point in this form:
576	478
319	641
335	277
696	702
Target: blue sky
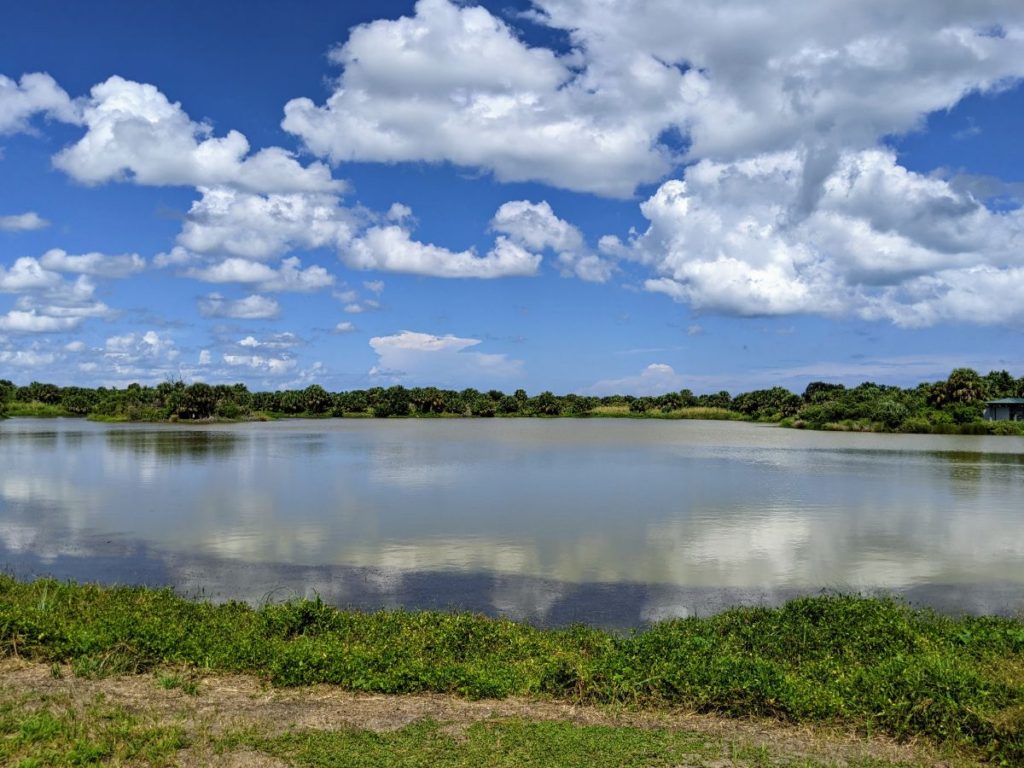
637	196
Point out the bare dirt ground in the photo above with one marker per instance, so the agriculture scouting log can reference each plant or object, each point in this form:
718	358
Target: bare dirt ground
229	703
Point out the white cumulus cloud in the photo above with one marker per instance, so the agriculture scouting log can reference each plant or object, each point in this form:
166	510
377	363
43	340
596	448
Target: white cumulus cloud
392	249
27	274
22	222
655	379
254	307
26	358
288	277
20	321
880	241
455	83
96	264
36	93
536	227
417	358
230	222
269	365
134	132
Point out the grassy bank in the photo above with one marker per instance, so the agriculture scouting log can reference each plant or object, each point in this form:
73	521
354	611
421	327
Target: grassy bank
874	665
50	717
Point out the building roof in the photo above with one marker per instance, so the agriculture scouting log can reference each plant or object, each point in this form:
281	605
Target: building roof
1007	401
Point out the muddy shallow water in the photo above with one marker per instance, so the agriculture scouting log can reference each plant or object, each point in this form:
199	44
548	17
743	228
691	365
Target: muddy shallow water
614	522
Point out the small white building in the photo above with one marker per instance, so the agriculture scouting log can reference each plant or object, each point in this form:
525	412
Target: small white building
1005	409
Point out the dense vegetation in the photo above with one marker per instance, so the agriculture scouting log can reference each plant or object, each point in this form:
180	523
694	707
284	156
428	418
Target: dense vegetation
954	405
868	663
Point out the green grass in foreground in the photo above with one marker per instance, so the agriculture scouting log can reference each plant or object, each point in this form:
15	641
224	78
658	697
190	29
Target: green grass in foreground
55	732
32	736
874	664
519	743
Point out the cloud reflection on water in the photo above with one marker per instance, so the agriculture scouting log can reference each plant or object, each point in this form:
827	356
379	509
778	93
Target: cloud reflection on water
528	519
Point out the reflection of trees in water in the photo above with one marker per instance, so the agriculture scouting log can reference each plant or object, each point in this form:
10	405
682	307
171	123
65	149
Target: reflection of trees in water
75	439
978	457
969	470
309	444
191	444
47	438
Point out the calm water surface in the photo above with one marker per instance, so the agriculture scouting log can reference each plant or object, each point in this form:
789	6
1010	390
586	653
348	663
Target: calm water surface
614	522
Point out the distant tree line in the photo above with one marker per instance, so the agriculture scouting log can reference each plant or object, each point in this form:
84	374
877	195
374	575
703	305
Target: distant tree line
953	405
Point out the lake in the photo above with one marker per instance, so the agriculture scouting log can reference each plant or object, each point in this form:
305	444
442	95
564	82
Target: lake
614	522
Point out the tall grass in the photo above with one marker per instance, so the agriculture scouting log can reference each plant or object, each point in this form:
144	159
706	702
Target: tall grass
34	409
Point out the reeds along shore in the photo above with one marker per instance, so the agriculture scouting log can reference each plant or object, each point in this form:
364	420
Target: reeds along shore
874	664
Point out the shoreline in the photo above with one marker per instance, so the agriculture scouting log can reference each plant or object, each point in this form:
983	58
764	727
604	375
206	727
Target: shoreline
965	403
974	429
866	664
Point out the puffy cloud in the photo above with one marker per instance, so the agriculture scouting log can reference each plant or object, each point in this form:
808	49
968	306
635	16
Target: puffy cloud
391	248
734	238
26	358
374	286
176	257
23	222
288	277
204	357
144	356
982	294
27	274
344	327
536	227
841	74
398	212
79	310
29	321
269	365
135	133
422	358
243	226
93	263
47	302
263	227
283	340
455	83
36	93
655	379
131	348
254	307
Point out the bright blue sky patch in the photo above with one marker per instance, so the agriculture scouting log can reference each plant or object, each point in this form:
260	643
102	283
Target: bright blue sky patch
564	195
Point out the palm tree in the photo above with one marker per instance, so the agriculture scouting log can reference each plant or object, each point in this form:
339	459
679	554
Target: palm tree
964	385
